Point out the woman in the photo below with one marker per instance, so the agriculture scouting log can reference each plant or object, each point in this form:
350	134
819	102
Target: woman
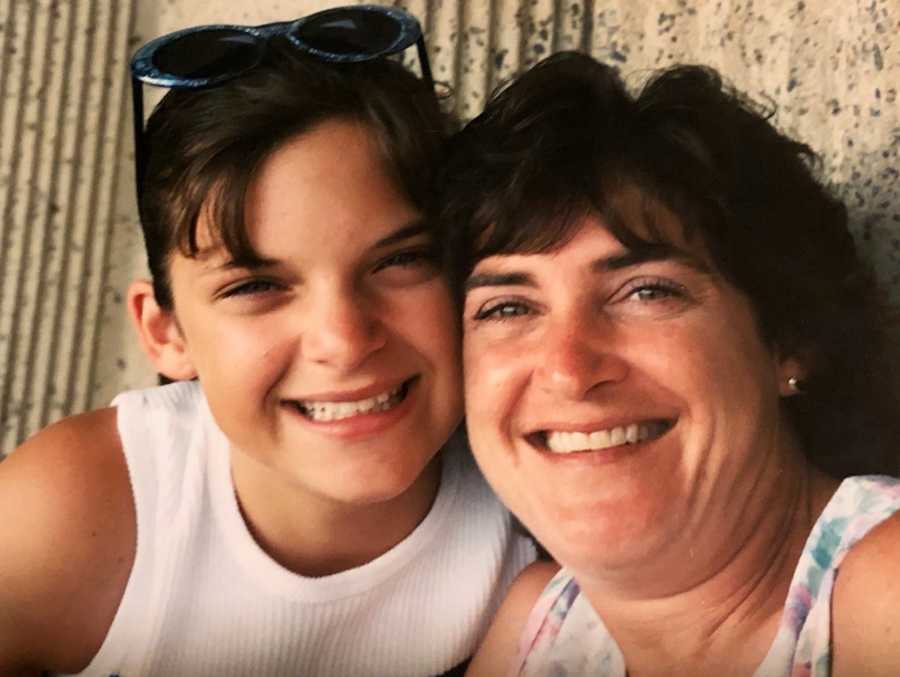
672	357
284	508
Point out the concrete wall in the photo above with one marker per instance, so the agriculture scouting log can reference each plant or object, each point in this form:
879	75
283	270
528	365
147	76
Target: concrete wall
69	241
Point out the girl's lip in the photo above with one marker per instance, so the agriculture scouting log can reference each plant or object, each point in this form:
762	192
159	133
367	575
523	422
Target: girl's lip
355	394
360	425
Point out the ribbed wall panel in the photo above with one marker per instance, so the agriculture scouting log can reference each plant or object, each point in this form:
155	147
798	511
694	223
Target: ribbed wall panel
62	107
69	241
23	281
44	239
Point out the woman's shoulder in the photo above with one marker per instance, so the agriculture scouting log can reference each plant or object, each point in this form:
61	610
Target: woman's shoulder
501	644
866	597
67	533
858	507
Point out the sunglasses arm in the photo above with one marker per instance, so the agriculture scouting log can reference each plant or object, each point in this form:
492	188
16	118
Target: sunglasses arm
140	151
423	61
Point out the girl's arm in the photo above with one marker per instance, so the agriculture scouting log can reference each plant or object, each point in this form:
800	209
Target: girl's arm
67	543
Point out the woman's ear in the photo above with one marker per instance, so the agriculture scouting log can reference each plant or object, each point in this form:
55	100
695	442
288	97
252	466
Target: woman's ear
793	372
158	333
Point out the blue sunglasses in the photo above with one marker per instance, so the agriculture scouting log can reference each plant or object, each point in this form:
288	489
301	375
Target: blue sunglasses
207	56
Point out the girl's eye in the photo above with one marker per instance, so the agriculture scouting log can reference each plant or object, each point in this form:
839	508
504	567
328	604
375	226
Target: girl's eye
249	288
406	259
503	310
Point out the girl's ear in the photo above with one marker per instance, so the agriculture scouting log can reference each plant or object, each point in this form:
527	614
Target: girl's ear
159	333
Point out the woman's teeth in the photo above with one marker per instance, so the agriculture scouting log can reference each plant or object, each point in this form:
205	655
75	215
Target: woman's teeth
566	442
335	411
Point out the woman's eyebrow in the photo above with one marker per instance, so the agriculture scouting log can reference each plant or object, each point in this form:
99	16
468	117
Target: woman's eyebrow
498	280
649	253
625	259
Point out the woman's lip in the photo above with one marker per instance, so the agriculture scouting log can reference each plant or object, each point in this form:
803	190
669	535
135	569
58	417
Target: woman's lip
595	426
538	441
360	425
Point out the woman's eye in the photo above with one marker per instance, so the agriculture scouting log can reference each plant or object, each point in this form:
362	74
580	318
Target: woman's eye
652	289
504	310
249	288
652	293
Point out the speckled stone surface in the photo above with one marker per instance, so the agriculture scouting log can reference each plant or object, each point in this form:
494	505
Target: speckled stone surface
69	242
830	69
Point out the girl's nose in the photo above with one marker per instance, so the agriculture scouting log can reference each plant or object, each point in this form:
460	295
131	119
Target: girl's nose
342	332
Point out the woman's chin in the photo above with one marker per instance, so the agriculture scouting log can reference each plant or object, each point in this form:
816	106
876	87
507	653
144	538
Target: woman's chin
606	539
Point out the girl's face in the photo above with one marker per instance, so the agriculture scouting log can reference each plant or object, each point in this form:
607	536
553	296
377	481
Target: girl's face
619	404
335	362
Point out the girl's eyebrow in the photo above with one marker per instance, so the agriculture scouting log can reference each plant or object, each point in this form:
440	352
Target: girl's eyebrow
406	232
250	262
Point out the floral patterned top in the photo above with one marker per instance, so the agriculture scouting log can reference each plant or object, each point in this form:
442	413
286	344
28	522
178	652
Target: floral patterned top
564	637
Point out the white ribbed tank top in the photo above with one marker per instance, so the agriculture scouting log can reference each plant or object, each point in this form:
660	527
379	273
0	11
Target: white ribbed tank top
204	599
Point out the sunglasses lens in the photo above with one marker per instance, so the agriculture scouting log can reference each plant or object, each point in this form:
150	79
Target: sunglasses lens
349	32
206	54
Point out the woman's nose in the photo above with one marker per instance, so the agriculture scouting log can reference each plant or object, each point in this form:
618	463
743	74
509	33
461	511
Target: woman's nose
342	331
576	356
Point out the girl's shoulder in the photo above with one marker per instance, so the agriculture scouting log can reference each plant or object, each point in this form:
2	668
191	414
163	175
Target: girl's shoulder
71	472
68	535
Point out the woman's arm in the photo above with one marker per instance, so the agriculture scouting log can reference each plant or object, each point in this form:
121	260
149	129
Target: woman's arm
494	657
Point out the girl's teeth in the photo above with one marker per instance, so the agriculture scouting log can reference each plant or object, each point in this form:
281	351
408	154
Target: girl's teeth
335	411
567	442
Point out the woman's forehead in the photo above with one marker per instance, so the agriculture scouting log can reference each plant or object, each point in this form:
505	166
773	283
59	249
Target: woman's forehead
636	220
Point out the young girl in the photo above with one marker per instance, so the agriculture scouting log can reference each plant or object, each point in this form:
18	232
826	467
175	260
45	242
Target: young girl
282	508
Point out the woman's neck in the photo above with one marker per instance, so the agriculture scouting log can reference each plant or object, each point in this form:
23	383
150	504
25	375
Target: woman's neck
314	536
721	611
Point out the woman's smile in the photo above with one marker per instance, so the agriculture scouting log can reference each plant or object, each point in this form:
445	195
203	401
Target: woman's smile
591	438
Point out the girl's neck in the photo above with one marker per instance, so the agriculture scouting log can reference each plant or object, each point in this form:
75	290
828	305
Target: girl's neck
722	622
314	536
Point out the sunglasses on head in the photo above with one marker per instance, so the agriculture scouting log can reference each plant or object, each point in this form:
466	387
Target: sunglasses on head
207	56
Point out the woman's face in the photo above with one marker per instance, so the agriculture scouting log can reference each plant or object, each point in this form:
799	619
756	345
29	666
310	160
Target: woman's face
335	362
617	403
